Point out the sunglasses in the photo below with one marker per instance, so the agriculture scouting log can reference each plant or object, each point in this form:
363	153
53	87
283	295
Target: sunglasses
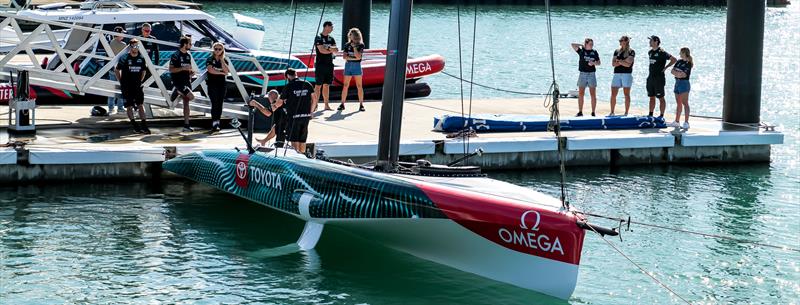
146	30
217	49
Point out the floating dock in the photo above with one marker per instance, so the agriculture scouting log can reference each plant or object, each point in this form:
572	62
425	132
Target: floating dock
70	144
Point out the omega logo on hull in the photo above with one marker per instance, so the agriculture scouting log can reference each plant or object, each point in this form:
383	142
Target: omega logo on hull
529	237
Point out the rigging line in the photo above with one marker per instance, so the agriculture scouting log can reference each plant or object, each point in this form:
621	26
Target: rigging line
554	114
708	235
550	35
472	67
495	88
460	70
297	105
638	266
313	52
291	37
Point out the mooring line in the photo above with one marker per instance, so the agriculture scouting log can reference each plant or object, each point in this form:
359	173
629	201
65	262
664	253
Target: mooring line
653	277
708	235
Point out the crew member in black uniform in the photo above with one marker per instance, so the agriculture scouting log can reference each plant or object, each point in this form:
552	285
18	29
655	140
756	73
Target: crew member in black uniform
278	115
180	68
325	48
130	73
150	47
215	82
297	99
588	59
655	79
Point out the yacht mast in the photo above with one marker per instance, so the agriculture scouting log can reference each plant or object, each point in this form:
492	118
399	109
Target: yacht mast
394	85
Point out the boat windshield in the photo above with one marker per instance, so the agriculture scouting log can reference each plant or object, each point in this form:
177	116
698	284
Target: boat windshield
203	33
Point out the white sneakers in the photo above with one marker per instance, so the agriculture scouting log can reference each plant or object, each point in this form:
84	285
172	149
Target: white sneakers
677	124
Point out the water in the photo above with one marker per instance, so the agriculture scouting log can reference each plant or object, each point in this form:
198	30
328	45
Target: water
179	242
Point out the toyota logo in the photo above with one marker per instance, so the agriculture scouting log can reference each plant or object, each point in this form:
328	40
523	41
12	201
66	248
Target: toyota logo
241	170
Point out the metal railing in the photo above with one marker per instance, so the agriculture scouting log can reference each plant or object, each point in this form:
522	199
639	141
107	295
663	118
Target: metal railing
65	77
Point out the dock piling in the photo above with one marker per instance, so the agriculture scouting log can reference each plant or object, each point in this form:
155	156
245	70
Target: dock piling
744	49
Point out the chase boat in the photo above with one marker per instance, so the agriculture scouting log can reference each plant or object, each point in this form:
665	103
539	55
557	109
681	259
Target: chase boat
172	21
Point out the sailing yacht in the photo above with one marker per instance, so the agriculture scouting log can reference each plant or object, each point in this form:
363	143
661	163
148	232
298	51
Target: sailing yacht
452	215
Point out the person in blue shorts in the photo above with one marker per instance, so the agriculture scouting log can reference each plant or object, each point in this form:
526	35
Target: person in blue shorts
682	70
622	61
353	52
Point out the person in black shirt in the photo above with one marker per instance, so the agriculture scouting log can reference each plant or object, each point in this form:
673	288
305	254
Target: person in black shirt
149	46
277	112
298	102
682	71
588	59
180	68
352	67
215	82
622	61
325	48
655	79
130	73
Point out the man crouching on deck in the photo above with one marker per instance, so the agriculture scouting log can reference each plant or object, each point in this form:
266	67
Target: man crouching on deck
297	100
278	114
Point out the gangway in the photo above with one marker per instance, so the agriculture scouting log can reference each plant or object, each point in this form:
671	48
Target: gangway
96	46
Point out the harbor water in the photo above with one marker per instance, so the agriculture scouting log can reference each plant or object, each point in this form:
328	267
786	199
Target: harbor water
176	241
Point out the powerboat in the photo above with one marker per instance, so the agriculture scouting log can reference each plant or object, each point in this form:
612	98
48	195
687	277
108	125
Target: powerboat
170	22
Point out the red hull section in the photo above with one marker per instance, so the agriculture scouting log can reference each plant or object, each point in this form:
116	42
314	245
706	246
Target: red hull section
516	225
374	68
7	92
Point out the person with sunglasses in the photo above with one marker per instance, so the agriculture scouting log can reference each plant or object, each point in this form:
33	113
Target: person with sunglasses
181	71
215	82
130	73
149	46
622	61
588	59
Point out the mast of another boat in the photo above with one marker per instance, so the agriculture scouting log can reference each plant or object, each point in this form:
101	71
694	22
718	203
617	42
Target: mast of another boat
394	85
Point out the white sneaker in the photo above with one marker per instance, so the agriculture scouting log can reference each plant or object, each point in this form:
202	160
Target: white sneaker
674	124
685	125
112	111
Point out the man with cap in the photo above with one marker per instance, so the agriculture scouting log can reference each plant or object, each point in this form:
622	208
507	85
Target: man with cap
130	73
656	79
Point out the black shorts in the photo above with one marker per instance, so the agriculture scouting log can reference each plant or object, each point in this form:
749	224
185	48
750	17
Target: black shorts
298	130
323	74
182	90
133	96
655	86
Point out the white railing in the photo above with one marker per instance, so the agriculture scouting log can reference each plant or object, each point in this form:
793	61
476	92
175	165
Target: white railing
65	77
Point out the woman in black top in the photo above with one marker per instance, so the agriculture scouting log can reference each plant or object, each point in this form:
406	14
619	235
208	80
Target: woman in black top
217	71
682	70
352	67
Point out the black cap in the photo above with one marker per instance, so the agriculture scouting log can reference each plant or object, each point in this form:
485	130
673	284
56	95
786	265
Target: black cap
654	37
120	29
290	72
